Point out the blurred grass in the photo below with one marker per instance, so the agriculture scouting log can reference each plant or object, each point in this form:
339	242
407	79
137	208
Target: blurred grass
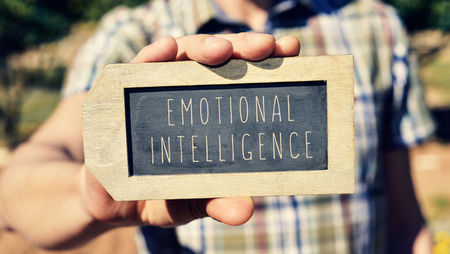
441	206
437	74
38	103
436	77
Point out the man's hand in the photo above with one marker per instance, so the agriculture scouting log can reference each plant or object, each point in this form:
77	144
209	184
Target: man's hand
210	50
217	49
46	193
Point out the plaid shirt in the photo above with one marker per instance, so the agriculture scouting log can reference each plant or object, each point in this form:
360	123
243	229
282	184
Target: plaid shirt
389	112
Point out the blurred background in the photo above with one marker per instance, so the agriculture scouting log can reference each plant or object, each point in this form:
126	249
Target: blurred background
39	39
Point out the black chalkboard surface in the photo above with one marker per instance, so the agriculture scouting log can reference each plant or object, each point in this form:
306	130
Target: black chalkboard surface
280	126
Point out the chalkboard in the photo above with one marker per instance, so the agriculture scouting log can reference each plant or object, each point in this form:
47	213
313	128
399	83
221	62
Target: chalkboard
227	128
178	130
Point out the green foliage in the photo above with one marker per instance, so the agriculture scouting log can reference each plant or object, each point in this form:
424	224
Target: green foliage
423	14
96	9
24	23
440	14
30	22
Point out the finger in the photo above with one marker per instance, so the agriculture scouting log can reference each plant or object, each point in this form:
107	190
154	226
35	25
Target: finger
164	49
101	206
93	192
232	211
171	213
287	46
251	46
216	49
206	49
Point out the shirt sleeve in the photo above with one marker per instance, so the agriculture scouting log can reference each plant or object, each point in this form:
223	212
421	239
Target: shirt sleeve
120	36
411	122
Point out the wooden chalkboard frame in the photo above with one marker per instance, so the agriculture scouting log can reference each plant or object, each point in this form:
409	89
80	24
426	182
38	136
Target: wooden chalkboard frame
105	141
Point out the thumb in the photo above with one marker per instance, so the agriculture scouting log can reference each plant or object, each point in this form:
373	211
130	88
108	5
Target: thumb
101	206
231	211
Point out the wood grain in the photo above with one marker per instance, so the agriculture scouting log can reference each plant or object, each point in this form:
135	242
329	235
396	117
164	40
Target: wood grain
105	134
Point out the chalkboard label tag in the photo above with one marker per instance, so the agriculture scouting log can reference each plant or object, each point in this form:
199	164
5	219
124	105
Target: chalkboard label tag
173	130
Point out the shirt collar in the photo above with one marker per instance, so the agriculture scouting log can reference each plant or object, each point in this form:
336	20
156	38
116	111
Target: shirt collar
208	10
279	7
